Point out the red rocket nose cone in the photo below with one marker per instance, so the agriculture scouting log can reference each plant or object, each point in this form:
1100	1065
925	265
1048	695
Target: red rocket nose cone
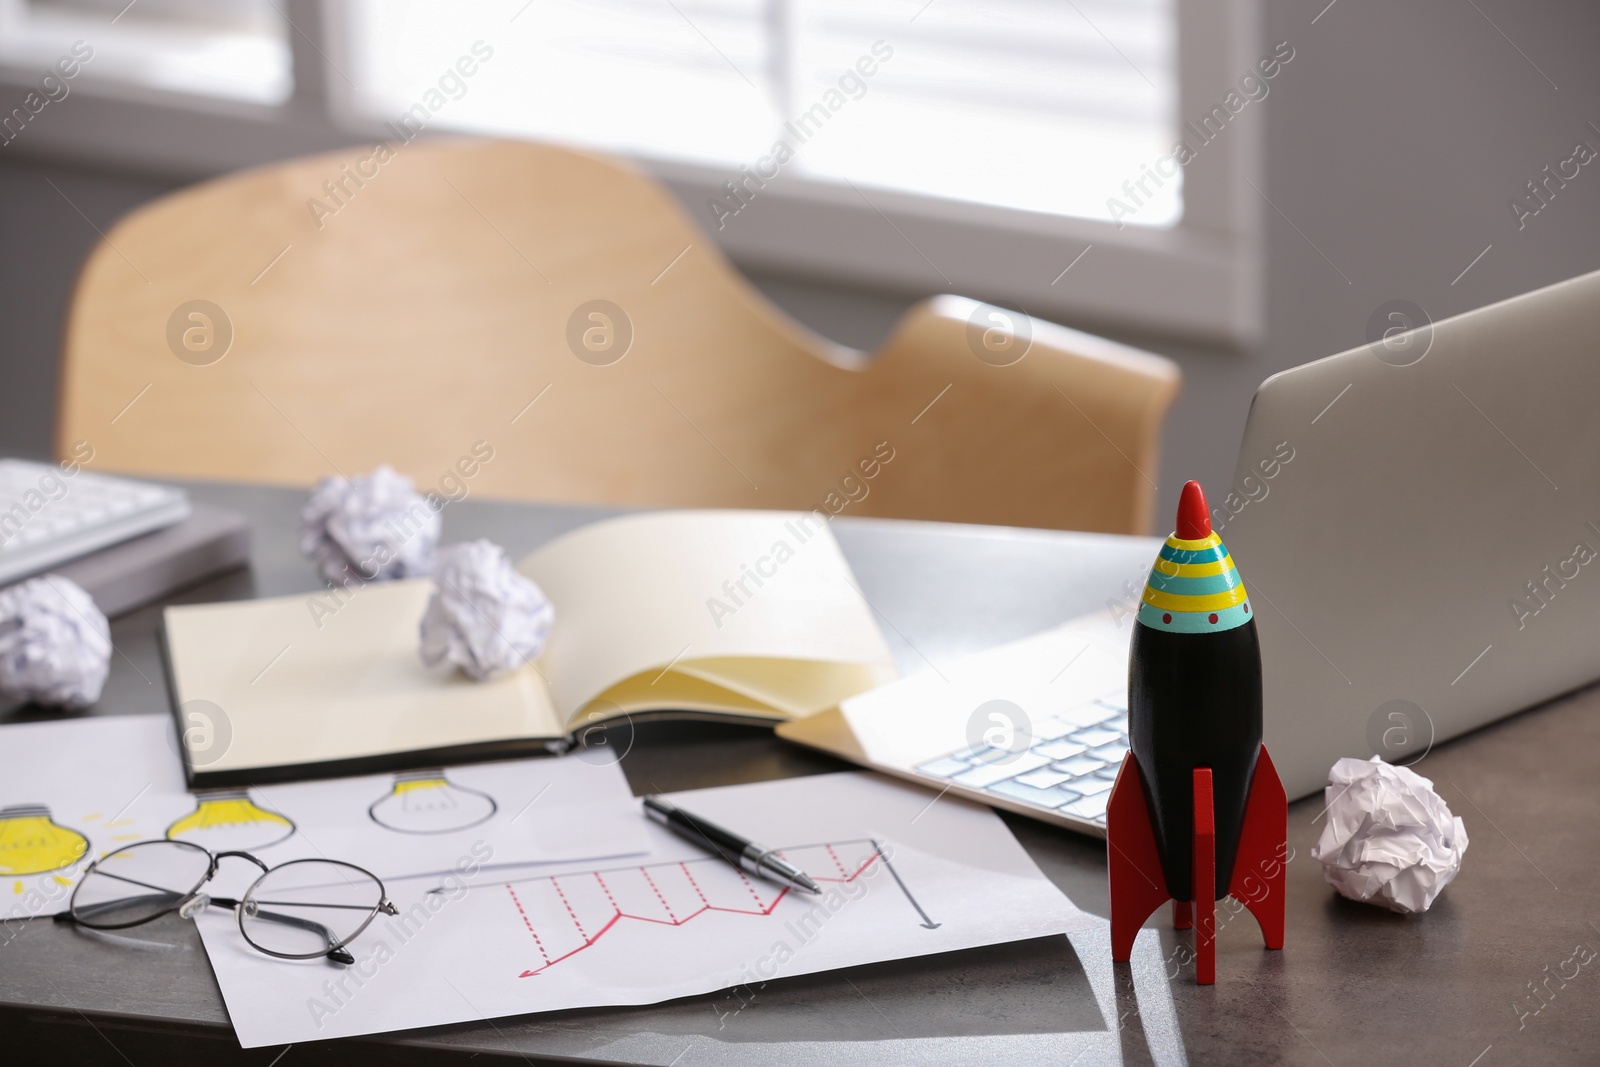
1194	518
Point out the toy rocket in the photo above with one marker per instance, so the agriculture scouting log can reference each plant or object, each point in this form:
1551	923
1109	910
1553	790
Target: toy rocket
1197	812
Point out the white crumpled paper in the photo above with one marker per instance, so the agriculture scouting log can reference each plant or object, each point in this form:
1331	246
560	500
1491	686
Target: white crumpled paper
483	616
55	643
372	527
1390	839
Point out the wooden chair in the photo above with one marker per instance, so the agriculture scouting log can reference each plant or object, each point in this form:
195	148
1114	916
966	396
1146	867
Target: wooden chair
409	305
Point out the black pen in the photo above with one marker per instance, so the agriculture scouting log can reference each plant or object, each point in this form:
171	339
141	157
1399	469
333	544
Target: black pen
739	851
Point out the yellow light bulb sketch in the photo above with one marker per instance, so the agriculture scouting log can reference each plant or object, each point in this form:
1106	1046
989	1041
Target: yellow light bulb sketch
229	820
32	843
426	802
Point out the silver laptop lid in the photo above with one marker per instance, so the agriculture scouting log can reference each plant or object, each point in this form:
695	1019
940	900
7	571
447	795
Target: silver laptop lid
1418	522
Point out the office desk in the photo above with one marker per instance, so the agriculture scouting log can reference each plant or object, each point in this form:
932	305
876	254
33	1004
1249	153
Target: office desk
1354	985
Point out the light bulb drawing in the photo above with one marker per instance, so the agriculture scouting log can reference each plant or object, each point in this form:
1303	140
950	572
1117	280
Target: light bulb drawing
426	802
32	843
229	820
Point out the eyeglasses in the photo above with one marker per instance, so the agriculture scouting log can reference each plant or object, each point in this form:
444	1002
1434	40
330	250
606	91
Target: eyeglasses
298	910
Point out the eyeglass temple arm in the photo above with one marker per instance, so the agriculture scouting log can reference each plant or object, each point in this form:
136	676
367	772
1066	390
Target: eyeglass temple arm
336	952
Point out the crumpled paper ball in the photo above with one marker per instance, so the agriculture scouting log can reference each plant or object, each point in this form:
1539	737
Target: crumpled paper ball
372	527
483	616
1390	839
55	643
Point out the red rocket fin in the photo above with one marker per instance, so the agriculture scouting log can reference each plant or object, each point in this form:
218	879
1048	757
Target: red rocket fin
1138	884
1259	875
1204	880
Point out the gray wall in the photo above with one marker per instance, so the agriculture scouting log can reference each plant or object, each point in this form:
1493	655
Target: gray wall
1394	141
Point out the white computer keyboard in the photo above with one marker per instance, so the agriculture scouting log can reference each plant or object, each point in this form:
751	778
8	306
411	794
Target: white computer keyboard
1068	767
48	517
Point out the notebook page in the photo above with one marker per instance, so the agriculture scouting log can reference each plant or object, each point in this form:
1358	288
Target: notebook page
297	686
643	592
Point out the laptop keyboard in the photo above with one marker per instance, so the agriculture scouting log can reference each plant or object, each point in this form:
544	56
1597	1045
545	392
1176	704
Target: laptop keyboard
48	517
1068	767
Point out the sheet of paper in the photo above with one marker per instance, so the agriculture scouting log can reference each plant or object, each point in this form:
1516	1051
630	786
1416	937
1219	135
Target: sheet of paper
73	789
903	876
413	823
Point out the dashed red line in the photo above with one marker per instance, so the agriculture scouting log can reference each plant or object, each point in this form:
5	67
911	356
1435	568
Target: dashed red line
835	857
572	914
759	902
664	905
694	883
607	891
528	924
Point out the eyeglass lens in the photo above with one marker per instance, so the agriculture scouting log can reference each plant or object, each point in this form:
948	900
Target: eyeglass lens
304	908
138	883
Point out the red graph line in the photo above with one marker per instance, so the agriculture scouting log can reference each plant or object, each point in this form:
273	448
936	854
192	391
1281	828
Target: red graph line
618	914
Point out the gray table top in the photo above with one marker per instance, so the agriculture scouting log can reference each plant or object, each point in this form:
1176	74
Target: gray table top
1483	979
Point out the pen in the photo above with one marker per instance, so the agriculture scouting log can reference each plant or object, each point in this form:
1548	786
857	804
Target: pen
739	851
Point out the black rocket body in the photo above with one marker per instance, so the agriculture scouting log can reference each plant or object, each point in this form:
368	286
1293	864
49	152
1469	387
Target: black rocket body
1194	700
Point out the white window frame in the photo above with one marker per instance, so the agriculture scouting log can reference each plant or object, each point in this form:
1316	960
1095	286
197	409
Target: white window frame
1200	279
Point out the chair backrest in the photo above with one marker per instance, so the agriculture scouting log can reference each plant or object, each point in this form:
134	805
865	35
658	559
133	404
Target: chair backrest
552	322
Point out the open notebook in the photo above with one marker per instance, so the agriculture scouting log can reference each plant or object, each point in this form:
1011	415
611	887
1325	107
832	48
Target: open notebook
742	615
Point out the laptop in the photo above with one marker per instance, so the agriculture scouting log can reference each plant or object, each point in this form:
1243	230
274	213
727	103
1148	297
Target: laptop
1418	523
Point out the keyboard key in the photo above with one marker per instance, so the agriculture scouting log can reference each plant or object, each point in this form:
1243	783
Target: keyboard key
1089	714
1111	753
1091	785
985	775
1096	738
1110	772
1119	723
1078	766
1044	798
943	768
1051	729
1043	778
1092	807
968	753
1060	749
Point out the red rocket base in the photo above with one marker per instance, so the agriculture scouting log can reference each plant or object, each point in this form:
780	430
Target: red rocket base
1138	883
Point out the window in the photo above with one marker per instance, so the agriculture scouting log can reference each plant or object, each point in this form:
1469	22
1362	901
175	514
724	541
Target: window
1038	105
234	49
918	146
